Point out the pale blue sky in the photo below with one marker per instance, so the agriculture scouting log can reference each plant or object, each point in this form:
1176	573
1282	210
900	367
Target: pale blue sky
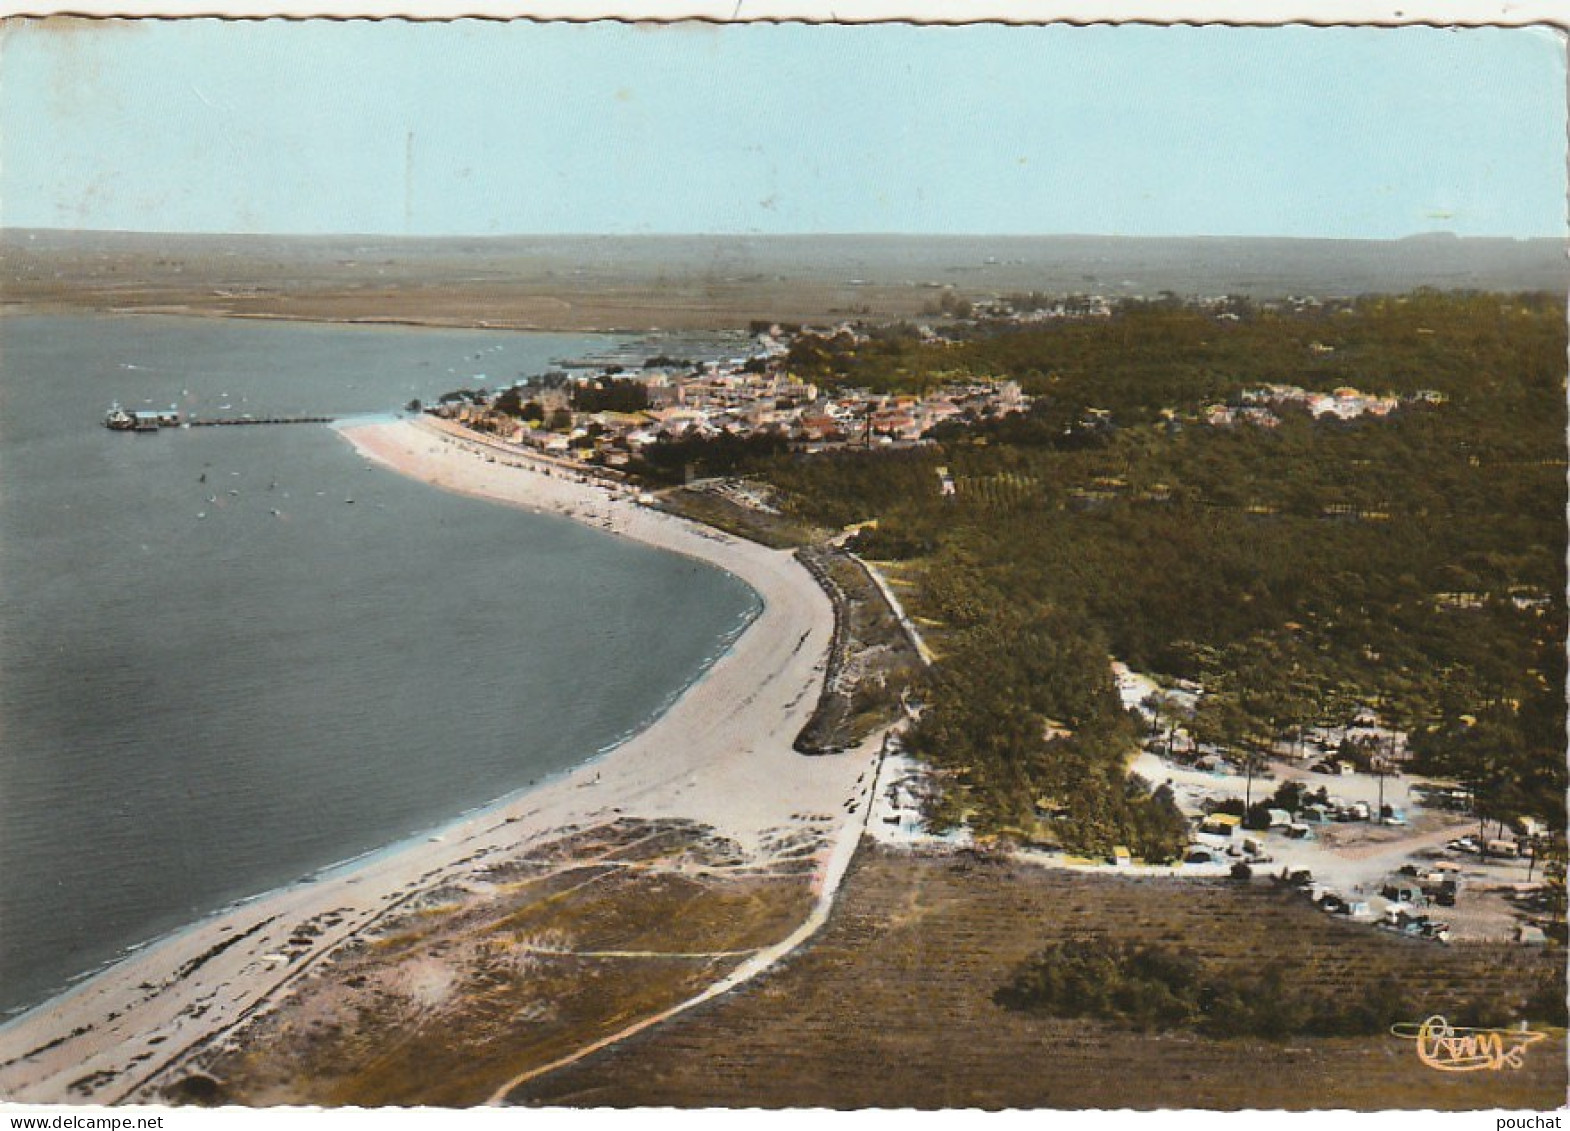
528	128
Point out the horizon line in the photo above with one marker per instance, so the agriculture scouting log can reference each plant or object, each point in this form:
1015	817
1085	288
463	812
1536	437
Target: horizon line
1427	234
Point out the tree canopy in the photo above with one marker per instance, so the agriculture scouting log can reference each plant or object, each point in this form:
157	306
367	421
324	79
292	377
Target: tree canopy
1412	563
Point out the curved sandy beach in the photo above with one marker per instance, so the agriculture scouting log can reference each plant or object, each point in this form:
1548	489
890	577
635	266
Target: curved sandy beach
721	756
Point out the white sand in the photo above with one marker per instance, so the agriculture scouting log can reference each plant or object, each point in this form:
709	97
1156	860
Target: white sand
721	755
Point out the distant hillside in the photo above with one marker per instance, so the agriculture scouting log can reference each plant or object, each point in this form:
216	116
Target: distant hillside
636	282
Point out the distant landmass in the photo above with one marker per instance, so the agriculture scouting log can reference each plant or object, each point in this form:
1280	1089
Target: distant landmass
643	282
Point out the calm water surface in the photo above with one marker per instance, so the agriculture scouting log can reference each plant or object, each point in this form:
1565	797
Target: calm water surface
218	674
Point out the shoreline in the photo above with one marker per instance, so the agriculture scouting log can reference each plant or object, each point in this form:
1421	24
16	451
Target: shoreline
58	308
719	755
648	317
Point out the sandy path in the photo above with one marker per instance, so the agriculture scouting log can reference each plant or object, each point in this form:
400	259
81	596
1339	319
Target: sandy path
830	877
721	755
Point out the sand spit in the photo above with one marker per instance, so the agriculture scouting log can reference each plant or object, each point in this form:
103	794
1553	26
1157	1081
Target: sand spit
721	756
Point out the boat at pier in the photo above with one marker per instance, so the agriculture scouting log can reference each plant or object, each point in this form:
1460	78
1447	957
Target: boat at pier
121	420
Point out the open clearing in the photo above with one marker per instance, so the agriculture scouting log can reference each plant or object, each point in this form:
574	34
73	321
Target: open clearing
891	1006
476	982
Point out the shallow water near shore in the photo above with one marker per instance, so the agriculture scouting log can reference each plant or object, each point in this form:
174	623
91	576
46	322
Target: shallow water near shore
230	657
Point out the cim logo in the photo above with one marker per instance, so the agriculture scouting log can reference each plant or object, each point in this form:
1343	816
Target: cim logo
1445	1048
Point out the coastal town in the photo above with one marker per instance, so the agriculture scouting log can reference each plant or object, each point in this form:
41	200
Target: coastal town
606	416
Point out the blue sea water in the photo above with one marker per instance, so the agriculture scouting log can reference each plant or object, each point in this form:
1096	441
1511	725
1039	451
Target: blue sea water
218	674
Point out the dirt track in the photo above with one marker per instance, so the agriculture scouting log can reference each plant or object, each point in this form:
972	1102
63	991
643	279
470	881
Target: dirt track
892	1007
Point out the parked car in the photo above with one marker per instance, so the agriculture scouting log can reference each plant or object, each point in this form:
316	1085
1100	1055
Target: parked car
1404	893
1254	851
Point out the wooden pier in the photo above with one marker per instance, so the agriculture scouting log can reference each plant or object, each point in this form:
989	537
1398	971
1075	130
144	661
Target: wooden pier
230	421
141	420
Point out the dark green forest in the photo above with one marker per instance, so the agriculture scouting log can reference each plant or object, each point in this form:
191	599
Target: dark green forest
1154	987
1412	563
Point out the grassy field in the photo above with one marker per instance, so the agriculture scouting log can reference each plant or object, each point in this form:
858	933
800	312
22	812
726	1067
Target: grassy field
892	1007
467	986
871	663
712	509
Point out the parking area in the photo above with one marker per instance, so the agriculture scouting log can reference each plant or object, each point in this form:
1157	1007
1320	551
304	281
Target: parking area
1423	876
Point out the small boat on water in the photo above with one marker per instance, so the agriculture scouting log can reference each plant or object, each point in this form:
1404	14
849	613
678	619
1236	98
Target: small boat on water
139	420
